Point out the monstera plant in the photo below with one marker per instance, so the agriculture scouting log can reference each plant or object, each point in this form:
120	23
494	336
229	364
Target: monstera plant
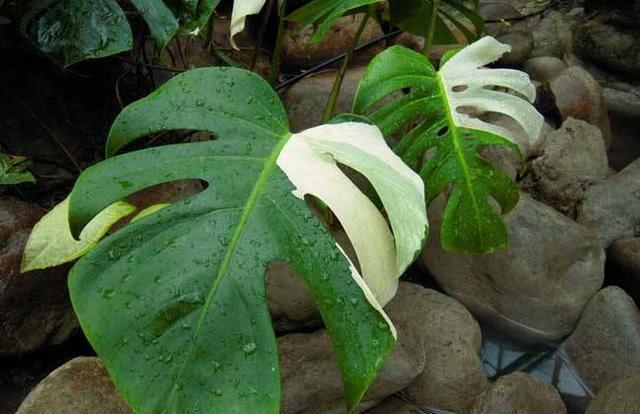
174	302
437	111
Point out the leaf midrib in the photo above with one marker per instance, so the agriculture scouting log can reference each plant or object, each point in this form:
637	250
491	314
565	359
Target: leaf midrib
459	155
256	192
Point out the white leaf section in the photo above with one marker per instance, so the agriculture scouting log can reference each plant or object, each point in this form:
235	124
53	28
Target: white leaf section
51	243
242	9
465	84
309	159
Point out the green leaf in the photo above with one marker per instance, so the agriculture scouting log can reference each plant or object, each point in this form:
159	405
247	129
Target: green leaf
13	170
51	244
325	13
70	31
175	301
435	113
167	18
413	15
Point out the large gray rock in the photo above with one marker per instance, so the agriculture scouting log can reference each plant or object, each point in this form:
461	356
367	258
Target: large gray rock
623	266
544	68
551	30
306	99
291	305
445	336
519	393
572	158
620	397
605	346
578	95
436	356
521	46
536	288
298	52
609	45
81	386
623	103
624	10
395	405
612	208
35	309
623	100
496	10
311	381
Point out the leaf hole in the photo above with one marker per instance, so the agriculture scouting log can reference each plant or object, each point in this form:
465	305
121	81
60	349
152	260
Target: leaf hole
169	192
442	131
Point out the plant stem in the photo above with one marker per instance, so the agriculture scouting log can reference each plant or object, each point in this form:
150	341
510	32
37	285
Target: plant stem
337	84
277	52
428	40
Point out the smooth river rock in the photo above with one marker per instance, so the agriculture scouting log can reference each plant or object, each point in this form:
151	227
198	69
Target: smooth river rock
612	207
572	158
35	309
435	360
605	346
298	52
620	397
519	393
81	386
535	289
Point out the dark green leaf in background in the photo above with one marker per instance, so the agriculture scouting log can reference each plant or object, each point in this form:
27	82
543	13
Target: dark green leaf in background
325	13
70	31
414	16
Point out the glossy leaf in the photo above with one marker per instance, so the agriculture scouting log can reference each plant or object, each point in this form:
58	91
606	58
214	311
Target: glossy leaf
400	191
70	31
186	282
167	18
435	110
413	15
325	13
13	170
50	242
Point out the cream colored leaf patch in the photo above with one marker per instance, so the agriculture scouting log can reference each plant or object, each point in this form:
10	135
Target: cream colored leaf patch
310	161
51	243
467	84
